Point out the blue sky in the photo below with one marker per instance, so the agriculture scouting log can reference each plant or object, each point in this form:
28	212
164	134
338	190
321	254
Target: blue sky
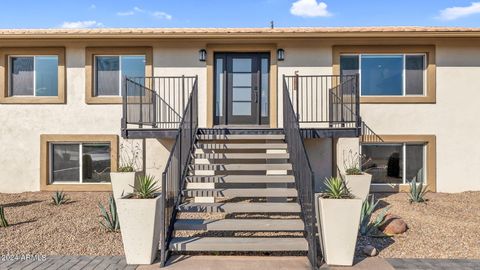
243	13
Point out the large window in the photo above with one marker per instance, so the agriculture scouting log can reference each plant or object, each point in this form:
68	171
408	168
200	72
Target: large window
387	74
111	69
33	75
395	163
80	162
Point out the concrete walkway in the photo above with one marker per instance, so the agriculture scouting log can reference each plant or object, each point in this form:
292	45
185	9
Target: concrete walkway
230	263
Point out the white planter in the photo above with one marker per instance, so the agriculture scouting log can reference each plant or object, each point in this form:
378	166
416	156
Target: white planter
339	221
122	183
140	226
359	185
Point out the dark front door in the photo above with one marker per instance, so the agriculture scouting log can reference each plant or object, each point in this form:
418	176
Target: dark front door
241	88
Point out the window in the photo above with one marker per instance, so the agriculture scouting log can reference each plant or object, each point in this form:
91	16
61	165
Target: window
395	163
387	74
77	162
80	162
110	70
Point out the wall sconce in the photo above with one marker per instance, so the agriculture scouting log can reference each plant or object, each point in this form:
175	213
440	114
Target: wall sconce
202	55
280	54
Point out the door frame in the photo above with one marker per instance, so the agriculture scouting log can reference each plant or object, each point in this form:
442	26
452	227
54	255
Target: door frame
248	48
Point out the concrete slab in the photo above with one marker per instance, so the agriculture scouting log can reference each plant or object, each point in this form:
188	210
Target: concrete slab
374	263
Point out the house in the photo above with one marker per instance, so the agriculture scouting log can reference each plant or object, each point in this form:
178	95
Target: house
242	101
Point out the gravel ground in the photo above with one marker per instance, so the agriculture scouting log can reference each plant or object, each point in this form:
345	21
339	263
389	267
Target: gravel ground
447	226
39	227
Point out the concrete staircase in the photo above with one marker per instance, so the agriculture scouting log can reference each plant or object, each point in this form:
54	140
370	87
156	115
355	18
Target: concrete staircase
240	196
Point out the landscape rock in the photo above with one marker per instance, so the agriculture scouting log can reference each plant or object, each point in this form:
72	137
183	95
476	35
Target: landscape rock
370	251
393	224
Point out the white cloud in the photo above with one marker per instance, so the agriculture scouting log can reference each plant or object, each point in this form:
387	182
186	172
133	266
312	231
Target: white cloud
453	13
137	9
81	24
162	15
309	8
126	13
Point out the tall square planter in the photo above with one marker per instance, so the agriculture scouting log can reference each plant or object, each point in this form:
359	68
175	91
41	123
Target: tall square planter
123	183
359	185
140	227
338	221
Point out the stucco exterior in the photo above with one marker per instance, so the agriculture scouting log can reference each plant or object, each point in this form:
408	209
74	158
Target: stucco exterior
452	118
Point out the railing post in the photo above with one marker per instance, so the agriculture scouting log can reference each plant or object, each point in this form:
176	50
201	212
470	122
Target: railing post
357	100
297	96
141	105
124	123
183	95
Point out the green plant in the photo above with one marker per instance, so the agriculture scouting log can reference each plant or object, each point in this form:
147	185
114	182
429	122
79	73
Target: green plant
59	198
129	157
417	192
109	218
3	220
147	186
368	227
126	168
336	189
353	163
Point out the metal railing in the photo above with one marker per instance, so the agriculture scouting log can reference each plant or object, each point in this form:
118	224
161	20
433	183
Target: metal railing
176	168
304	176
368	135
157	102
325	100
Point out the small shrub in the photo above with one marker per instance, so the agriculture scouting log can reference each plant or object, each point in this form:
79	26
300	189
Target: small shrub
353	163
130	153
126	168
3	219
417	192
147	187
336	189
59	198
109	218
368	227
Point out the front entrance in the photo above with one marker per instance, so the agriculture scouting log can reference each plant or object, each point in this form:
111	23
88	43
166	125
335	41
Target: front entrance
242	88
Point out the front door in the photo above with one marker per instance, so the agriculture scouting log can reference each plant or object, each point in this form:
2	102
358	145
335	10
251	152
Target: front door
241	88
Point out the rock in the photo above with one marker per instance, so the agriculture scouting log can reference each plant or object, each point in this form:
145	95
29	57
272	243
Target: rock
370	251
393	224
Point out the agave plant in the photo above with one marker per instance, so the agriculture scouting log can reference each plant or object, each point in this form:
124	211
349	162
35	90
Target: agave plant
367	227
109	218
147	187
3	220
59	198
417	192
336	189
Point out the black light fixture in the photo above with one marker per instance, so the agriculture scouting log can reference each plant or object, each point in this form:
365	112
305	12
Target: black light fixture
202	55
280	54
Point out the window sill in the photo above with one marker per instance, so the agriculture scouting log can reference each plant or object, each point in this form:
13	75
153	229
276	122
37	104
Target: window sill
77	187
32	100
103	100
398	100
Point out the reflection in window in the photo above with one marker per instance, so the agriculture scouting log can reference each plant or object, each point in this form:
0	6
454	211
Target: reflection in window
110	70
33	76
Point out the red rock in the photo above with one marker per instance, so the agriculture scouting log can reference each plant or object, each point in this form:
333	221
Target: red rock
393	224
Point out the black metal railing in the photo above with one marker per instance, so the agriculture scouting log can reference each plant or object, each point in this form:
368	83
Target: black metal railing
304	176
176	168
325	100
156	102
368	135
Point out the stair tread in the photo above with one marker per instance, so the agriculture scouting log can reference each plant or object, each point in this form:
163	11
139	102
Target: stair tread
245	166
238	244
241	179
288	207
240	224
250	145
242	137
242	156
241	192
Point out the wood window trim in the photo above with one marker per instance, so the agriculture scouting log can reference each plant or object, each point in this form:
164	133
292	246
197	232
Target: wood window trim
90	52
252	48
45	139
429	50
431	161
4	68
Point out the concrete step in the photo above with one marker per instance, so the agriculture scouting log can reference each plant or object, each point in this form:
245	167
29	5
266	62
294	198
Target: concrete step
260	225
264	156
241	167
241	179
237	244
241	146
241	192
241	137
260	207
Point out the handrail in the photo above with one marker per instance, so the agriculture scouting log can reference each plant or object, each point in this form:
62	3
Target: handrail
304	175
368	135
175	170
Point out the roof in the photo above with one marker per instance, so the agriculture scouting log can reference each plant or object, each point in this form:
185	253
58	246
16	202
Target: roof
400	31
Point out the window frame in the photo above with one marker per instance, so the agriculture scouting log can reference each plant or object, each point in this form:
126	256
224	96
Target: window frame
46	143
90	70
5	81
430	162
404	72
429	96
